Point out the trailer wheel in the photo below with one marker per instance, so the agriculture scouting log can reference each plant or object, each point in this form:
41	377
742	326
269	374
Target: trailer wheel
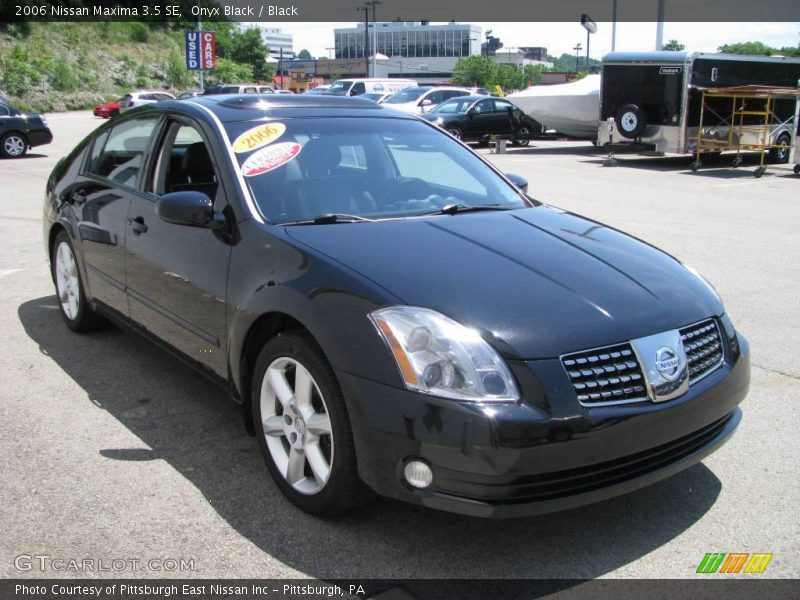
696	166
780	154
797	169
631	121
759	172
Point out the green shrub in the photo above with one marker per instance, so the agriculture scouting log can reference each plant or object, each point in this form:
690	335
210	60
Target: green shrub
139	33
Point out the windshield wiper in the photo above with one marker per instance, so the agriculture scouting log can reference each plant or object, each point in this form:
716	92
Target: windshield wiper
330	218
452	209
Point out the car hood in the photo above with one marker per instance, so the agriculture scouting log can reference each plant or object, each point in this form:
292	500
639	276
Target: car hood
432	117
536	282
408	107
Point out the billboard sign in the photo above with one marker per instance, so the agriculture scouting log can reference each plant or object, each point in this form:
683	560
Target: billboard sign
208	58
201	50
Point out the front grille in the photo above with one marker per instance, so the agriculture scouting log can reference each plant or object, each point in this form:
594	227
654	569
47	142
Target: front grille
703	346
606	375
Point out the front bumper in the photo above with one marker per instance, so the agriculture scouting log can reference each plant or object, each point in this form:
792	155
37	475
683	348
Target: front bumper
544	453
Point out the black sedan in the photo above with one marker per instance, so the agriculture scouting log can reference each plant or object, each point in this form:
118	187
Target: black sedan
476	118
20	131
393	314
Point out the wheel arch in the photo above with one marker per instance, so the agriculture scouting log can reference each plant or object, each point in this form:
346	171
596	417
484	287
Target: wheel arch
264	328
55	229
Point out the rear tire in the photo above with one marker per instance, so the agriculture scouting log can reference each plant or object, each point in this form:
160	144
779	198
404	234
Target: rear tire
631	121
303	429
780	155
72	304
13	145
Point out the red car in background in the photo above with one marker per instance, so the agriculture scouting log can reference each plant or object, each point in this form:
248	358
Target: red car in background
107	109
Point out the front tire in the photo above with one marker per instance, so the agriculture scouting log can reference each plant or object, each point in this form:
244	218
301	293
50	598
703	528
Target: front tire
523	131
456	132
72	303
13	145
303	429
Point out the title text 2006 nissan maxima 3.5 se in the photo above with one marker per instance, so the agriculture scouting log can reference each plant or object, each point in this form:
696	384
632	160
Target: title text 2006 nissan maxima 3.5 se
394	315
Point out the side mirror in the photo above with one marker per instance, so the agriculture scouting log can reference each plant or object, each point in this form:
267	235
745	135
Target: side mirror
426	102
519	181
471	113
190	208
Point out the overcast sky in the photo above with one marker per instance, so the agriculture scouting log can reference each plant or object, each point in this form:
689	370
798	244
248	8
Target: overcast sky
561	37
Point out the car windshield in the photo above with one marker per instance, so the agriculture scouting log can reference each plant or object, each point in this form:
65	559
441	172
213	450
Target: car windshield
302	168
457	106
339	88
406	95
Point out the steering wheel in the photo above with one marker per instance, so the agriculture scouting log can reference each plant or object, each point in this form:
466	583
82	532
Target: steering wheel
411	188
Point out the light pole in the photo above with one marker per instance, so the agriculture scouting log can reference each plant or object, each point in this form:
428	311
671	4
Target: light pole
577	47
365	8
373	4
590	27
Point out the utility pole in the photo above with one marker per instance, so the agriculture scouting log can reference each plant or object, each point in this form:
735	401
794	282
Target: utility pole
660	26
365	8
280	67
614	26
373	4
590	27
577	47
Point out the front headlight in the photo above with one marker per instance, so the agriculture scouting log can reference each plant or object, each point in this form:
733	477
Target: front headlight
435	355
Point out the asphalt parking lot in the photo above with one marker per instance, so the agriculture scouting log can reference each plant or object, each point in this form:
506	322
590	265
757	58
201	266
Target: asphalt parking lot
111	449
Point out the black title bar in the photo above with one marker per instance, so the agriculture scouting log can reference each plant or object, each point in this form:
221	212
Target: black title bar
436	11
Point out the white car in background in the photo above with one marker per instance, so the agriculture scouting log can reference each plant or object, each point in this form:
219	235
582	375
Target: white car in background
134	99
420	100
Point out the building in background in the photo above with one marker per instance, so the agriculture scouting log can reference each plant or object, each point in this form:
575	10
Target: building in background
411	49
518	57
276	40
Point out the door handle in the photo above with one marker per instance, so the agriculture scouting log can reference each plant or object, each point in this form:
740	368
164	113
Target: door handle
137	225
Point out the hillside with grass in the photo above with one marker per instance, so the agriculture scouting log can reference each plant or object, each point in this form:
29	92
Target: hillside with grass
51	67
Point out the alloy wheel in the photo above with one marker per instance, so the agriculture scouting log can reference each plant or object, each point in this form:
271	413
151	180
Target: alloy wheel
296	425
67	282
14	145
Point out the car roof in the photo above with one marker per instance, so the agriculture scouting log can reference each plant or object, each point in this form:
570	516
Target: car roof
230	108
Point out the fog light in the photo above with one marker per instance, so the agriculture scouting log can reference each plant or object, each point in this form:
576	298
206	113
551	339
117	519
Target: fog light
418	474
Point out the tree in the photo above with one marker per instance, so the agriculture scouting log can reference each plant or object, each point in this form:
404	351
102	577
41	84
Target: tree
249	49
674	45
532	74
509	77
228	71
474	70
304	55
753	48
